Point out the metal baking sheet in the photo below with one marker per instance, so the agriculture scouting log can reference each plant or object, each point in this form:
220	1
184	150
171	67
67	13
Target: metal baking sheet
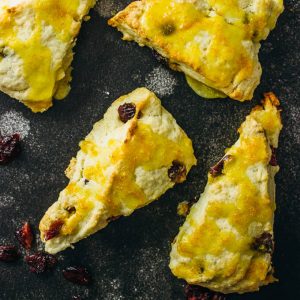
129	259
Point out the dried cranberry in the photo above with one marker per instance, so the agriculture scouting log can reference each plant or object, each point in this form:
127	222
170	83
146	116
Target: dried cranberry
2	54
273	160
37	263
217	169
53	230
77	275
177	172
70	209
9	148
168	28
264	243
24	236
40	262
126	111
194	292
8	253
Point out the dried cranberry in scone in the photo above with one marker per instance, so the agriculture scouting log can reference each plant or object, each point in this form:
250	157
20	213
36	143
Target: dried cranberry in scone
177	172
126	111
53	230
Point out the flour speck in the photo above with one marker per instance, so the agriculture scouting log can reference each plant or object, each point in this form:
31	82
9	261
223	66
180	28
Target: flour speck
14	122
161	81
39	243
115	286
151	268
6	201
108	8
294	116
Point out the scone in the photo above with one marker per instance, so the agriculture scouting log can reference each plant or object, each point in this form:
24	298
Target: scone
213	42
226	242
130	158
36	41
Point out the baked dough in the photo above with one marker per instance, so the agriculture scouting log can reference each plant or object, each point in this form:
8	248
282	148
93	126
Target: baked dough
120	167
36	41
226	242
213	41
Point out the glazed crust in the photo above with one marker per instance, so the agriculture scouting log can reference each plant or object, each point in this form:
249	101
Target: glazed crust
214	42
120	167
36	41
226	242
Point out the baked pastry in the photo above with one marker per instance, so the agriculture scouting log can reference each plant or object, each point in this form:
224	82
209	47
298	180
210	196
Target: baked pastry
36	41
130	158
213	42
226	242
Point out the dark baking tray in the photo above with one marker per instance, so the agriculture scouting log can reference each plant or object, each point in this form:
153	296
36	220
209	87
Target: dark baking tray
129	259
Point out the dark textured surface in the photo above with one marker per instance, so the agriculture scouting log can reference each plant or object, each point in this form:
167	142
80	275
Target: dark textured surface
129	259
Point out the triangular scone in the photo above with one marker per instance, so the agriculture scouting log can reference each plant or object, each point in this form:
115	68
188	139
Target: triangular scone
215	42
130	158
36	41
226	242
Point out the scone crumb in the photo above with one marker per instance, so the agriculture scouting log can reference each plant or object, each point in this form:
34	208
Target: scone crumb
183	208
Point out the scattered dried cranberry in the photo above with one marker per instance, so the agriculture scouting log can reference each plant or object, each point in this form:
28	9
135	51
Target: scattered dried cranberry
24	236
8	253
194	292
9	148
126	111
40	262
273	160
264	243
177	172
53	230
77	275
217	169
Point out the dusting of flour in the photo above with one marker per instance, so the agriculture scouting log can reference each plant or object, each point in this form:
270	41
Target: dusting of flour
294	117
161	81
14	122
108	8
6	201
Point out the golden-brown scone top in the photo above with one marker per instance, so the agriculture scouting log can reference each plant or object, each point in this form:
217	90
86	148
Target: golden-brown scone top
226	242
213	41
121	166
36	41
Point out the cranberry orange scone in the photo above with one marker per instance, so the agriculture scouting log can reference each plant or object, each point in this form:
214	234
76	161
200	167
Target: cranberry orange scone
130	158
215	43
226	242
36	41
